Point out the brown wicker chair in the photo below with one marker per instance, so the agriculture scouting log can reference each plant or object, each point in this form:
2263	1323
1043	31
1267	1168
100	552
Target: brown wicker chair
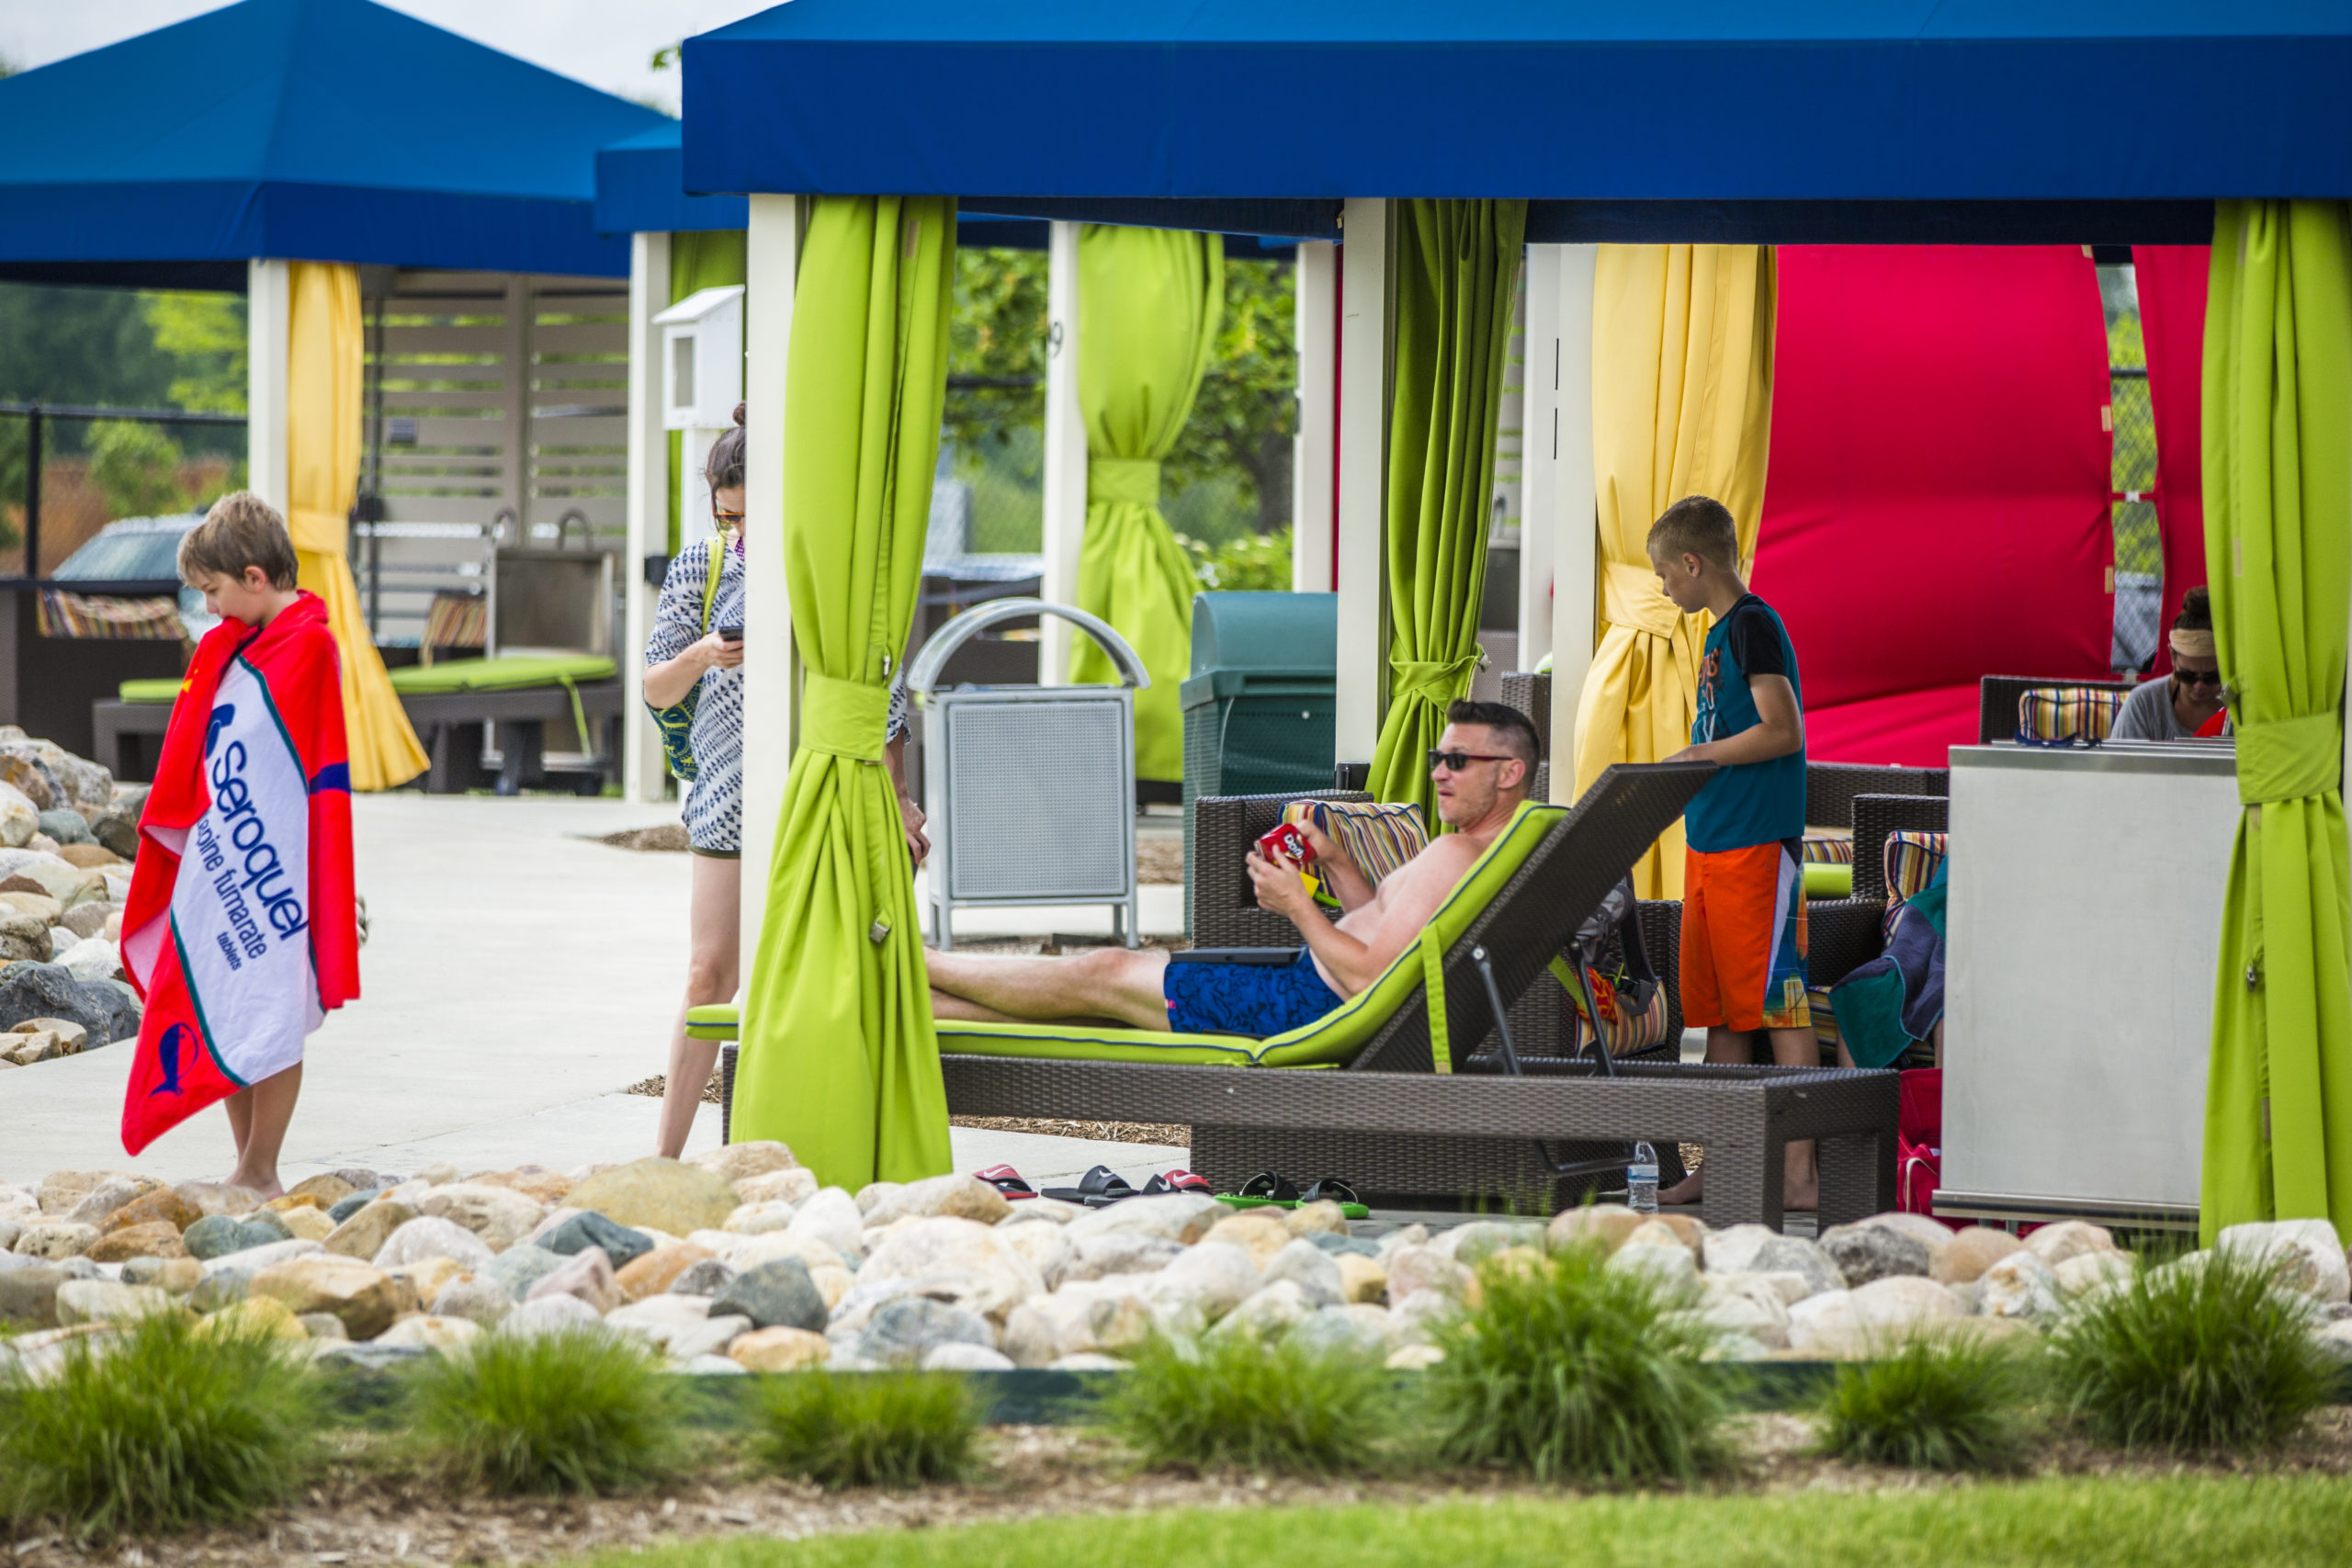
1830	788
1996	700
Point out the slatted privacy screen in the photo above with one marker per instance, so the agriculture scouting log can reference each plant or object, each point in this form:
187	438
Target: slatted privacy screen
495	405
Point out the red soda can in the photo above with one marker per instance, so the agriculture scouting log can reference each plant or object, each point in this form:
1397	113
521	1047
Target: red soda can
1284	842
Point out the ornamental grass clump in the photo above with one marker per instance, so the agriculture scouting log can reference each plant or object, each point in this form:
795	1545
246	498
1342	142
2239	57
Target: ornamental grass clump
2205	1353
1929	1403
154	1429
1233	1403
1571	1369
582	1412
867	1429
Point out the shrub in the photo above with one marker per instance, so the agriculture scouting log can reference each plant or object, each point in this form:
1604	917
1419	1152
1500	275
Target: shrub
155	1429
1258	562
1571	1369
2204	1353
136	467
1233	1402
867	1429
573	1412
1929	1404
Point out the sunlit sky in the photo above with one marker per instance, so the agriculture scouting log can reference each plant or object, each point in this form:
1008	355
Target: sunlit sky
605	43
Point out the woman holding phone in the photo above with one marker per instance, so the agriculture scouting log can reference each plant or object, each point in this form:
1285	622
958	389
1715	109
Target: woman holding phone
686	647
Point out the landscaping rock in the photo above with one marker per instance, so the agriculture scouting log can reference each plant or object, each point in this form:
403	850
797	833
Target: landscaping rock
956	1197
1214	1278
708	1277
363	1298
518	1269
104	1301
1309	1267
2054	1244
160	1203
56	1240
1344	1331
583	1231
309	1224
25	937
2087	1271
273	1221
1669	1263
742	1162
775	1296
212	1198
500	1216
587	1274
758	1219
2306	1255
1336	1243
552	1315
156	1238
1272	1313
658	1270
958	1260
663	1193
35	990
830	1217
1182	1217
1605	1224
795	1185
1362	1281
1322	1217
29	1294
1120	1252
1090	1363
364	1232
65	827
429	1235
1412	1268
1864	1253
536	1182
902	1330
1069	1323
1045	1244
1255	1232
1745	1304
2020	1285
957	1357
260	1317
1756	1250
251	1260
1473	1244
434	1333
475	1299
780	1350
177	1275
1973	1251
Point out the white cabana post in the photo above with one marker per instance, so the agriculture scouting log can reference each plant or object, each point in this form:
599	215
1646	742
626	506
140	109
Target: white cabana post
1361	569
643	772
1065	461
771	664
269	339
1559	540
1316	281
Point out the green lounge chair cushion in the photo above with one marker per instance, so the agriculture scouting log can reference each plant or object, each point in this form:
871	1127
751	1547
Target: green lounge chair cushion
156	689
503	675
1331	1041
1822	881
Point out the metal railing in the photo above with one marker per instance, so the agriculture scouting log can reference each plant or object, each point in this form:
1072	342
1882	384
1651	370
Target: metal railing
39	417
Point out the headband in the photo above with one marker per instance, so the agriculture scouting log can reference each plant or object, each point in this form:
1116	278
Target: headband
2192	645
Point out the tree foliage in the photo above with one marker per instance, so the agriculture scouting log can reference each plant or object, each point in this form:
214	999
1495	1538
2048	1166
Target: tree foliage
136	467
205	334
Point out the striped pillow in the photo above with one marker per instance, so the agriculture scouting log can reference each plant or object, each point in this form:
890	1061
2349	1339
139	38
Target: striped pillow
1378	838
1828	846
1825	1016
2057	715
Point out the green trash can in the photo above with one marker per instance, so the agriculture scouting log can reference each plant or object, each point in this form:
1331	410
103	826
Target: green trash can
1258	704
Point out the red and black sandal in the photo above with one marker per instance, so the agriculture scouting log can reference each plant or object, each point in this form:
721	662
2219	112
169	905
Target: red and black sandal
1178	1181
1007	1180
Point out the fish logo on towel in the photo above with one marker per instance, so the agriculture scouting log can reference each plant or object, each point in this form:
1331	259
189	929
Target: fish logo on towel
170	1051
222	717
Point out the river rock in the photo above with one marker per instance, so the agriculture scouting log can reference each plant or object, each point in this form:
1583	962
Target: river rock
536	1182
1603	1225
364	1299
217	1197
2054	1244
1335	1243
105	1300
95	959
552	1315
430	1235
708	1276
65	827
1973	1250
40	905
24	936
364	1234
257	1317
1120	1252
87	921
271	1221
109	1196
1069	1323
1754	1249
160	1203
311	1224
780	1350
665	1194
28	1293
794	1185
758	1219
2089	1272
1473	1244
500	1216
1412	1268
19	818
179	1275
47	990
117	828
1362	1281
340	1211
740	1162
1271	1313
1044	1244
1312	1270
583	1231
1324	1216
587	1274
251	1260
958	1260
956	1197
1344	1331
831	1218
1181	1217
156	1238
1746	1304
1864	1253
2306	1255
434	1333
2020	1285
475	1299
1669	1263
1255	1232
658	1270
902	1330
56	1240
518	1269
958	1356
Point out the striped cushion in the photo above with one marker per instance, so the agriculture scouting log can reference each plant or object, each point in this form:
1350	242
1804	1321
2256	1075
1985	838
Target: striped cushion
1825	1016
2051	715
1911	860
1828	846
1378	838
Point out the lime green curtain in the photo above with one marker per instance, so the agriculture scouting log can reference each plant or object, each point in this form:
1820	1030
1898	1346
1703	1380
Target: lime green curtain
1148	300
1455	266
839	1059
698	260
2277	452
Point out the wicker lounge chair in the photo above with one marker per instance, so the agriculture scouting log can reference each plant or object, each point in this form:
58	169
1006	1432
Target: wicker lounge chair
1997	701
1431	1116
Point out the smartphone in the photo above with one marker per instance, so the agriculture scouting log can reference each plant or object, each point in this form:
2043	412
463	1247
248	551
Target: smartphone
730	634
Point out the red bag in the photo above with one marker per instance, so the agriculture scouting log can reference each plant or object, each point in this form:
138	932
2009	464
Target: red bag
1918	1144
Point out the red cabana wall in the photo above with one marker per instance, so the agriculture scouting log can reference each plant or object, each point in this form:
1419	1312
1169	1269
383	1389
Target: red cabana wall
1936	509
2172	323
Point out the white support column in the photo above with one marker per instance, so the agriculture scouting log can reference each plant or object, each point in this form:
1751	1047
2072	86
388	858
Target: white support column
1362	568
1065	452
1318	283
268	336
1564	524
648	505
771	664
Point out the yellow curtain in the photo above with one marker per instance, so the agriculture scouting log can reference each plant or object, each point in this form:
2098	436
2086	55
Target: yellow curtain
1681	405
323	374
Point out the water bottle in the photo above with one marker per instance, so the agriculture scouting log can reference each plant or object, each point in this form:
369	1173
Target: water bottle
1641	1180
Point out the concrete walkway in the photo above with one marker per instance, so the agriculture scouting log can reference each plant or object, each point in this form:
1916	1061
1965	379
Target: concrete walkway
518	977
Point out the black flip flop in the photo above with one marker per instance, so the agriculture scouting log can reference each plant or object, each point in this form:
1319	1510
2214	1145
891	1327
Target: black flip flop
1007	1180
1332	1188
1098	1188
1271	1185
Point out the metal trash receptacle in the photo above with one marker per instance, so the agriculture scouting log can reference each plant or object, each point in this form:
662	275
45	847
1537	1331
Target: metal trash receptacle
1258	704
1031	789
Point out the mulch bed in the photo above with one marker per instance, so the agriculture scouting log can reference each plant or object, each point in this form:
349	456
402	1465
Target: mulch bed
659	1085
1102	1132
375	1508
669	837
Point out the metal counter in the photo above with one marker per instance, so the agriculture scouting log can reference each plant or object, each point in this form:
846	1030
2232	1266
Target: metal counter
2085	923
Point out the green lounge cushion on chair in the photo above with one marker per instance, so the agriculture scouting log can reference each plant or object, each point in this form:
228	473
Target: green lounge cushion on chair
502	674
156	689
1331	1041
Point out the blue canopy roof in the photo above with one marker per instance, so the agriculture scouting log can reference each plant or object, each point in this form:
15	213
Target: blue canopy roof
313	129
1724	106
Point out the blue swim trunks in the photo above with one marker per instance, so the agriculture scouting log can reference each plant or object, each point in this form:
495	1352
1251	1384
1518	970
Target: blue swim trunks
1245	999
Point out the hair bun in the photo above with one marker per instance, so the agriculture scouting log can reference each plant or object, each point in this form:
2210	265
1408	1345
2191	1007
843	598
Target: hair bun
738	414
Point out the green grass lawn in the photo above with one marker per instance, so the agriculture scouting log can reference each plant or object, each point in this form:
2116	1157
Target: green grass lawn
2230	1522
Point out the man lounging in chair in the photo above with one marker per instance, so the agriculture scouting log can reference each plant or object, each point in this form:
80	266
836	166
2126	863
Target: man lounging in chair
1482	766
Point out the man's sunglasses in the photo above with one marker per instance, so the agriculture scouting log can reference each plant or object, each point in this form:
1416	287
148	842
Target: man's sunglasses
1456	761
2196	677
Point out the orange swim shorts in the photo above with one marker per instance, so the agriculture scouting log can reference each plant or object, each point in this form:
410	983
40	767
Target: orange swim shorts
1743	940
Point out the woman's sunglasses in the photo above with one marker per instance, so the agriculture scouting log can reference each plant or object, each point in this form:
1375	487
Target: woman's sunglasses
728	519
1455	761
2196	677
